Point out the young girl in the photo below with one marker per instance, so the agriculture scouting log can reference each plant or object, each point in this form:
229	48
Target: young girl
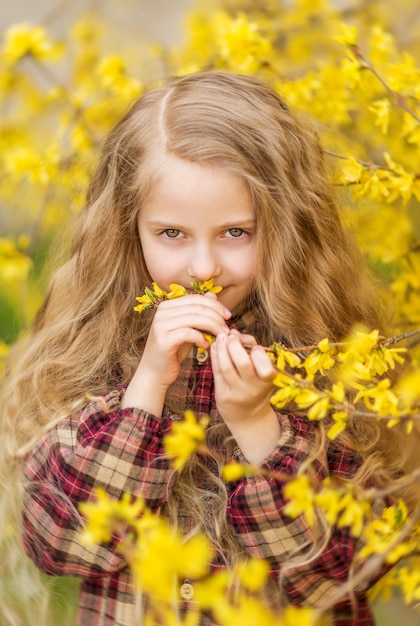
208	176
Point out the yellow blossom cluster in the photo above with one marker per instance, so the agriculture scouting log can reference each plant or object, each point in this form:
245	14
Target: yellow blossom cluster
162	560
153	297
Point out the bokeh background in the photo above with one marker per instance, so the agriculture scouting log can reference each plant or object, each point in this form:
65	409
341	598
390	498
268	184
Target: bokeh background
94	57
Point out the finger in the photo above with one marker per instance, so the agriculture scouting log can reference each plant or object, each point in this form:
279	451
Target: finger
262	364
223	362
206	301
201	318
235	363
246	340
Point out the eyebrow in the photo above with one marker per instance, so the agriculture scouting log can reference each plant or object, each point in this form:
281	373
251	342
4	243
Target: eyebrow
246	223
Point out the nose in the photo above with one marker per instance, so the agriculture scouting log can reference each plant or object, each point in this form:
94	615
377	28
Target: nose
203	264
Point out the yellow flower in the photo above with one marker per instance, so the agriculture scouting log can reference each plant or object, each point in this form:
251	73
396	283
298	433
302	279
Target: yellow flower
380	398
213	591
151	298
351	172
112	72
206	286
176	291
185	438
247	611
240	43
24	39
253	573
104	514
381	535
329	500
374	189
408	387
409	582
288	389
234	471
341	419
302	498
158	292
285	357
354	514
382	111
320	359
304	616
348	35
14	266
162	556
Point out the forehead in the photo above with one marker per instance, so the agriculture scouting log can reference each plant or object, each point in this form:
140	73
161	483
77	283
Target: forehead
196	190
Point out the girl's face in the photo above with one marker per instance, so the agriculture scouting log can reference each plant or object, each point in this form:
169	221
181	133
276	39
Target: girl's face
199	223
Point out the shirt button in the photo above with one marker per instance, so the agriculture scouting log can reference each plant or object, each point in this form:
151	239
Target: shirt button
202	355
187	590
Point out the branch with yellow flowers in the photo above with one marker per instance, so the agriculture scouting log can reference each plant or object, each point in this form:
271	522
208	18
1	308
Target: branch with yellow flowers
352	366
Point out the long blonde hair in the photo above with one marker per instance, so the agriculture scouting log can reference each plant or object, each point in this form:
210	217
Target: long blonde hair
309	280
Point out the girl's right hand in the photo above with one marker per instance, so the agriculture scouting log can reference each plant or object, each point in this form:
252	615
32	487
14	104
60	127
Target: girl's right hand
177	325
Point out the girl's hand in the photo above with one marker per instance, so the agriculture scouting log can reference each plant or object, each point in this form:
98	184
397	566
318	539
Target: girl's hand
243	386
177	325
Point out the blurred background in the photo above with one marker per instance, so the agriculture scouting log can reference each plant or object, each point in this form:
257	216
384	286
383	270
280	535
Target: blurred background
69	69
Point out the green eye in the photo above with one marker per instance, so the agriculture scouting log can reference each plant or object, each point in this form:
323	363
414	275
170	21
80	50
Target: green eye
172	233
235	232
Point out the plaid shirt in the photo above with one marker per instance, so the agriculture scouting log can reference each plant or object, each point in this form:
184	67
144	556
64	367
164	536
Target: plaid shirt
122	451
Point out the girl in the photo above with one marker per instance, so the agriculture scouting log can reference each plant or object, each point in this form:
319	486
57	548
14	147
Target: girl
208	176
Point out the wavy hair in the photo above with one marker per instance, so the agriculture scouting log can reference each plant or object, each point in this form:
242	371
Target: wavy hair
309	282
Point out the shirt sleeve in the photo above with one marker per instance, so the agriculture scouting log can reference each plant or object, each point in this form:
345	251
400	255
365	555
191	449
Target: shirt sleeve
310	562
102	446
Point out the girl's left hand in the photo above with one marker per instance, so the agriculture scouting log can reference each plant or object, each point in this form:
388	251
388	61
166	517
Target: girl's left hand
243	380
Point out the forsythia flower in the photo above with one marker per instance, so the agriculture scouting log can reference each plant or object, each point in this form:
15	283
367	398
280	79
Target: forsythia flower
341	419
104	514
353	514
150	297
241	44
382	111
351	172
348	35
319	360
185	438
25	39
206	286
112	73
380	398
14	266
302	499
382	534
285	357
253	573
153	297
288	389
234	471
176	291
247	611
162	557
408	387
409	580
304	616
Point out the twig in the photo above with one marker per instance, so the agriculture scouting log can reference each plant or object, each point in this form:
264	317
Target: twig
397	97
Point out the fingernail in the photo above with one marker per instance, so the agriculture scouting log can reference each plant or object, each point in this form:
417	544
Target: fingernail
221	337
226	330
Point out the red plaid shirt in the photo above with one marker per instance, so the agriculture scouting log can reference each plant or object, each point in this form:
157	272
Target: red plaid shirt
121	451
